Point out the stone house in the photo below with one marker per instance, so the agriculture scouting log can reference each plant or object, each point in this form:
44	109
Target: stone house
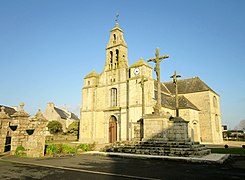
65	117
116	100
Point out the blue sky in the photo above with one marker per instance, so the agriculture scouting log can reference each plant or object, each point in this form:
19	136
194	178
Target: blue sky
47	47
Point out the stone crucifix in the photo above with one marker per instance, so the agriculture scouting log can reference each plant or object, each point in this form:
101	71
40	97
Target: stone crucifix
157	60
142	82
175	76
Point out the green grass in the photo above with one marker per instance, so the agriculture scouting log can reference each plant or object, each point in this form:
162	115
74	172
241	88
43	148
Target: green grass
54	149
228	150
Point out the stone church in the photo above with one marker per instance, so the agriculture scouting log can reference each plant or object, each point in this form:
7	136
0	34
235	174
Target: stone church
115	101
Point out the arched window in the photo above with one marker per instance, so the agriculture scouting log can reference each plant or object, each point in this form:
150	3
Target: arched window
117	57
113	97
111	60
115	37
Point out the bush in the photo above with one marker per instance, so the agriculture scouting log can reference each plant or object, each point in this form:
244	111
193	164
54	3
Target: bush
20	151
53	149
66	149
83	147
58	149
54	127
86	147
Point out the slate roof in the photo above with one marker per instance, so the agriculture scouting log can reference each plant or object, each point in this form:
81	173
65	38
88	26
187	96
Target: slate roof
190	85
10	111
164	89
74	116
65	115
168	101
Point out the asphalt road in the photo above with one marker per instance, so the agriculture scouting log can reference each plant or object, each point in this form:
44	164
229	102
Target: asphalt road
99	167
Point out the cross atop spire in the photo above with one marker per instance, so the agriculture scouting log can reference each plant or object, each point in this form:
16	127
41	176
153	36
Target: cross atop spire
117	15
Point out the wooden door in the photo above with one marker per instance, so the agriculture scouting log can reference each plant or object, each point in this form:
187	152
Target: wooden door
113	129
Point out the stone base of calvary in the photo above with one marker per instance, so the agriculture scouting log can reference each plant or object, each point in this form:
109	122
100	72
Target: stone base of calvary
164	136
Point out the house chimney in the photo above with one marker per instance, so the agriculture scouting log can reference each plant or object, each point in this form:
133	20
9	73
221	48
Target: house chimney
51	105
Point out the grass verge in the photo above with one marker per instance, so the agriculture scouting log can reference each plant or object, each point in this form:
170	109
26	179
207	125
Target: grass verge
240	151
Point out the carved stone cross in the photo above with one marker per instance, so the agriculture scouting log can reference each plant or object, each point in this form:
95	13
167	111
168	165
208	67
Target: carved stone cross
175	76
157	60
142	82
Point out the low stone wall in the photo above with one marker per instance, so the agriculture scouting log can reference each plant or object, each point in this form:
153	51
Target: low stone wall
61	138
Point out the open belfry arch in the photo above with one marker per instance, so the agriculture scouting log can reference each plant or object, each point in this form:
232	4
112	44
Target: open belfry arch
115	102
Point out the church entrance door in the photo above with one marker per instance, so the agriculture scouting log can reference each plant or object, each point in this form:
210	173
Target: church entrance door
113	129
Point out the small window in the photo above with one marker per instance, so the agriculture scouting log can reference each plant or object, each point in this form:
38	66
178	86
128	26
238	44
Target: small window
115	37
88	83
215	101
217	122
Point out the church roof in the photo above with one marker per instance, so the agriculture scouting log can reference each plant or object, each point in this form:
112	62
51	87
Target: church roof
184	103
164	89
10	111
92	74
189	85
140	62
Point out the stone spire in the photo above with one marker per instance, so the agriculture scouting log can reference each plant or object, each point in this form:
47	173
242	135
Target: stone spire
39	116
21	112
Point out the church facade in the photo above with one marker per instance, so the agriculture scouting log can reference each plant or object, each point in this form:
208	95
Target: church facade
115	101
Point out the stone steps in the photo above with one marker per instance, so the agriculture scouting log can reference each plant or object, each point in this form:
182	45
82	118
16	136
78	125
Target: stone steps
159	148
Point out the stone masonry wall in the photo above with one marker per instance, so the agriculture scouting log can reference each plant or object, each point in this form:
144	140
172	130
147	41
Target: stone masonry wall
23	131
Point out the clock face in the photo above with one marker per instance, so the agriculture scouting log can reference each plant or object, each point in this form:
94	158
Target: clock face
136	71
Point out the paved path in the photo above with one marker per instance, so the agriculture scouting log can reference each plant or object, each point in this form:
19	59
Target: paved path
87	166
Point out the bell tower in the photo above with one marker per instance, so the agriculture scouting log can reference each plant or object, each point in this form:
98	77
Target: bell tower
116	51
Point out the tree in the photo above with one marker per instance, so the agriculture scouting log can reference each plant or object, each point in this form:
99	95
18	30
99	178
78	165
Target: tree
242	125
54	127
73	128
